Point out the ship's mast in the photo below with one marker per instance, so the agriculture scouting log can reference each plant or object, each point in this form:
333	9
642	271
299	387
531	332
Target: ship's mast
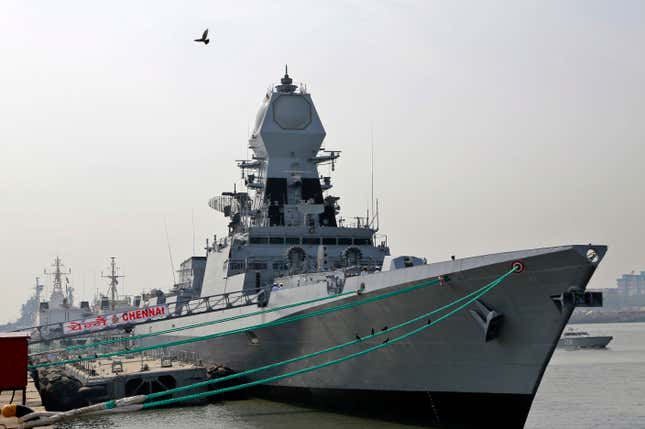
113	276
39	289
57	285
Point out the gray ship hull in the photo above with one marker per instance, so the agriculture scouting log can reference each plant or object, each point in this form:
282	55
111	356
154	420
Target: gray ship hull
449	372
599	342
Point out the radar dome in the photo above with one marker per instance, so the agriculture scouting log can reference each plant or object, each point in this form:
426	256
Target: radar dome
292	112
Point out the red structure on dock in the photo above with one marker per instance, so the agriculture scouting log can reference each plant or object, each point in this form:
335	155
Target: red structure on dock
13	361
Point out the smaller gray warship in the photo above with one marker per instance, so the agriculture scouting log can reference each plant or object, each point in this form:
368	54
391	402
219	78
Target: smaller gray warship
574	340
28	311
60	306
45	317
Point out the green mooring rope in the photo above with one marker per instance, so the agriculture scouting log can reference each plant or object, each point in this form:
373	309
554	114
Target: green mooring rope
325	364
479	292
239	330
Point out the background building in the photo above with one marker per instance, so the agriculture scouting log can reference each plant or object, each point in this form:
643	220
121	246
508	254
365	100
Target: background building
630	292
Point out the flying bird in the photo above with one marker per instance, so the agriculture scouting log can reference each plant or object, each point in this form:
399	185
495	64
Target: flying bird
204	38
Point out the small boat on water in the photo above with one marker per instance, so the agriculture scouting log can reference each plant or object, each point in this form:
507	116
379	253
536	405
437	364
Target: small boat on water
573	339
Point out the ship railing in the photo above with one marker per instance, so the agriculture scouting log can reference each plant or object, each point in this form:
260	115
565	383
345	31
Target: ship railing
180	308
214	302
343	263
165	355
191	306
355	222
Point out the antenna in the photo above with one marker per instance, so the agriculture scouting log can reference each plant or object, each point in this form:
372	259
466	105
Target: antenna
372	167
39	288
249	133
113	276
58	274
378	224
193	219
84	283
172	264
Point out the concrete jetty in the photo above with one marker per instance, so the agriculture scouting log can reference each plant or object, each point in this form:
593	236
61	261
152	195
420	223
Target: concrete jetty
73	386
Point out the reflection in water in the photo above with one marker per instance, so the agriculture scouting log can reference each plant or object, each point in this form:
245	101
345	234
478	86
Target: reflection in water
243	414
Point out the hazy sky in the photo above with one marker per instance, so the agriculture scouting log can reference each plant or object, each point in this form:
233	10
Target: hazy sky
497	125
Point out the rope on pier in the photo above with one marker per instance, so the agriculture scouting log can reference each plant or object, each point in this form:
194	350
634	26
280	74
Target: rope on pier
241	330
137	403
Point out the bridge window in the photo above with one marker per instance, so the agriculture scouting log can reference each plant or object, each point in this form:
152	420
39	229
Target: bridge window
236	265
310	240
257	265
292	240
280	266
258	240
344	240
276	240
329	241
362	241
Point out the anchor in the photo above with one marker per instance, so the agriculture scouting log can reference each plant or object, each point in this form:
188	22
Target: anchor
489	320
576	297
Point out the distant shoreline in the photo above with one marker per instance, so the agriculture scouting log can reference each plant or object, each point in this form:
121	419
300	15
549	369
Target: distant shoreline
607	316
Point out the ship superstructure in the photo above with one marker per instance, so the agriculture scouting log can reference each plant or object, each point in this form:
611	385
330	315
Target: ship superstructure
284	224
286	244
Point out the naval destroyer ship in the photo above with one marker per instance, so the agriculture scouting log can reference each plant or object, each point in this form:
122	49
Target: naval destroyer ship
287	242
